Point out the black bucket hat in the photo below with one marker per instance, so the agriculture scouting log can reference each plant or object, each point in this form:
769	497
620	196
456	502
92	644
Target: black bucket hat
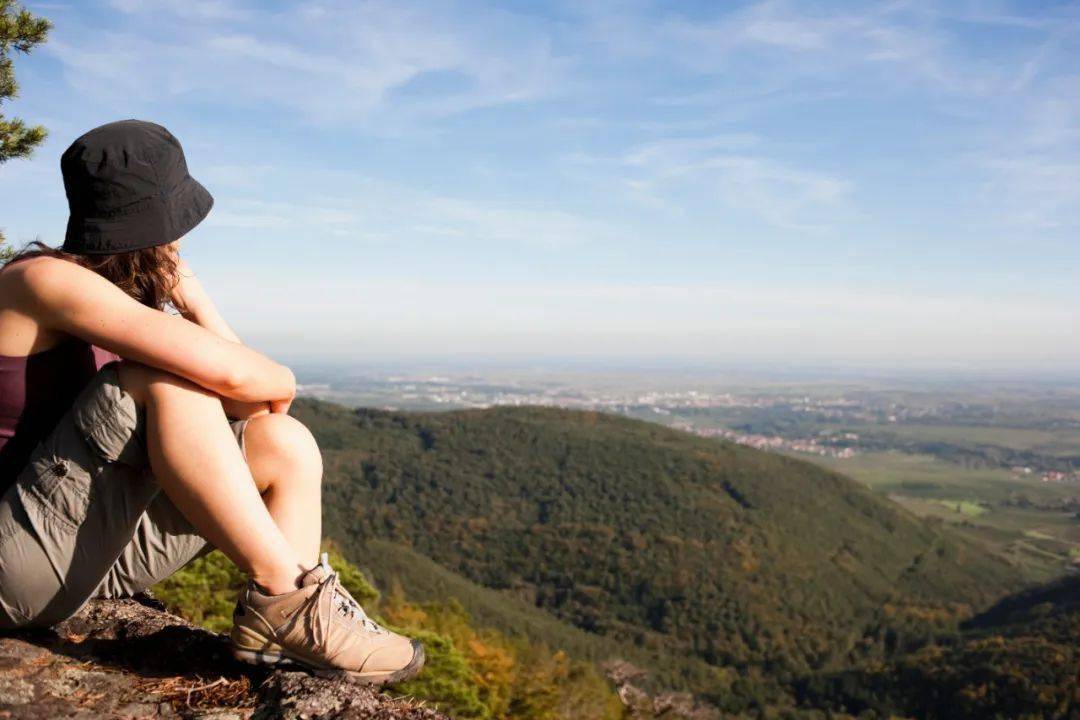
128	188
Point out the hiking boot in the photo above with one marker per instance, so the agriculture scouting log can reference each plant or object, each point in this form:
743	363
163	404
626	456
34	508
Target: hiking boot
322	628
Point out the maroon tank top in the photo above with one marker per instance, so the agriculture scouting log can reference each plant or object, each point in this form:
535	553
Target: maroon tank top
35	391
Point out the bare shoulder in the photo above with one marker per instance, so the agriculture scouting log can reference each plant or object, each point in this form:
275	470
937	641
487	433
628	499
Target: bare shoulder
46	287
44	276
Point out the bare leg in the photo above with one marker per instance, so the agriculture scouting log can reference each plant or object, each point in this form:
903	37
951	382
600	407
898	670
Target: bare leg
287	466
196	461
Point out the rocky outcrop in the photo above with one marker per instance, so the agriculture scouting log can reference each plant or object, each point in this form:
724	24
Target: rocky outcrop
640	705
131	659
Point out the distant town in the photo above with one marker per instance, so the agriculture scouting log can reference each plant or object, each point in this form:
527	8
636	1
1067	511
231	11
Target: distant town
830	422
809	446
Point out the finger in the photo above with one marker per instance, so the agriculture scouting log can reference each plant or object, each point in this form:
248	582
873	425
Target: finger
280	406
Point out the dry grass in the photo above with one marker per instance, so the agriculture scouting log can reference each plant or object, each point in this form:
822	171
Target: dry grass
198	693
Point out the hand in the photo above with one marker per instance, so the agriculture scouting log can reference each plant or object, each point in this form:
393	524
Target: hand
238	410
282	406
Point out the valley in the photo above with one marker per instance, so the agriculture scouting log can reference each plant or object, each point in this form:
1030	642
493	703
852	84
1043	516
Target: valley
1005	452
724	570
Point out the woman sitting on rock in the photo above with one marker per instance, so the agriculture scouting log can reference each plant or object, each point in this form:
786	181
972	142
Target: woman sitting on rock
133	439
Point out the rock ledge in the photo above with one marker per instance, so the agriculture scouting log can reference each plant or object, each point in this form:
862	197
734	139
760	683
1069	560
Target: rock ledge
131	659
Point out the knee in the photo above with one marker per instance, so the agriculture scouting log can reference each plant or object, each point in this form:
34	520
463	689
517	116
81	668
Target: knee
280	445
146	383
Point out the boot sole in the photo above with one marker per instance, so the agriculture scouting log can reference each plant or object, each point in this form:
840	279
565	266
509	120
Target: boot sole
283	658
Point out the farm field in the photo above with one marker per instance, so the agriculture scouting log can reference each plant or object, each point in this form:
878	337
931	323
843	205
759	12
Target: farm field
930	477
1019	517
1049	442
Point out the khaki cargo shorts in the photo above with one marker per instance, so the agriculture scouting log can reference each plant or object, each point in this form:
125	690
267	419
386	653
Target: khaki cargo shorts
86	518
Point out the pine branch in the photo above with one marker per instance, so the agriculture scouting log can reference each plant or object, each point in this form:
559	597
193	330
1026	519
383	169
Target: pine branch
17	140
19	31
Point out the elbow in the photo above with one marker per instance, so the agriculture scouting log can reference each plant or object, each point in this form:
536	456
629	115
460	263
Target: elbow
236	384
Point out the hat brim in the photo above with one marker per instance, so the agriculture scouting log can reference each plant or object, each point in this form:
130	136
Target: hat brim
148	223
191	205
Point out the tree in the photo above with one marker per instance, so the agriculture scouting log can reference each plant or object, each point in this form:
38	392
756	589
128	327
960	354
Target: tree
19	30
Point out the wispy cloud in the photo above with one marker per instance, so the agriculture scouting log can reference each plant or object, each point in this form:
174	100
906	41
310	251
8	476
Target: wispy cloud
370	210
190	9
737	173
328	62
1032	160
513	224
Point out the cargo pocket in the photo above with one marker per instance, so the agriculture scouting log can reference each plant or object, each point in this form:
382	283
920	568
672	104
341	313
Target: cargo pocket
96	453
59	487
111	421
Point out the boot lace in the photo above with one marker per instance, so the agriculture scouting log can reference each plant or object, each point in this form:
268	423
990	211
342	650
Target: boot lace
332	596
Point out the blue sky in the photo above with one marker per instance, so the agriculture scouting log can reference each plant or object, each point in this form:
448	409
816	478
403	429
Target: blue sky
807	181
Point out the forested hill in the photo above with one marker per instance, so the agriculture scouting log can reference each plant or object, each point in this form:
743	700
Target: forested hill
1020	659
659	539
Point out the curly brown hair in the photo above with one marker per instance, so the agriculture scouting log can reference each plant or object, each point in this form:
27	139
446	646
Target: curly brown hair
149	275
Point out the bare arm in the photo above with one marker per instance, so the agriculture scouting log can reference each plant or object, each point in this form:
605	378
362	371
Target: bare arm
76	301
191	299
195	305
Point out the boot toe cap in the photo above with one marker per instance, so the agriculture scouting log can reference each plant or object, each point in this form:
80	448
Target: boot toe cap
407	655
